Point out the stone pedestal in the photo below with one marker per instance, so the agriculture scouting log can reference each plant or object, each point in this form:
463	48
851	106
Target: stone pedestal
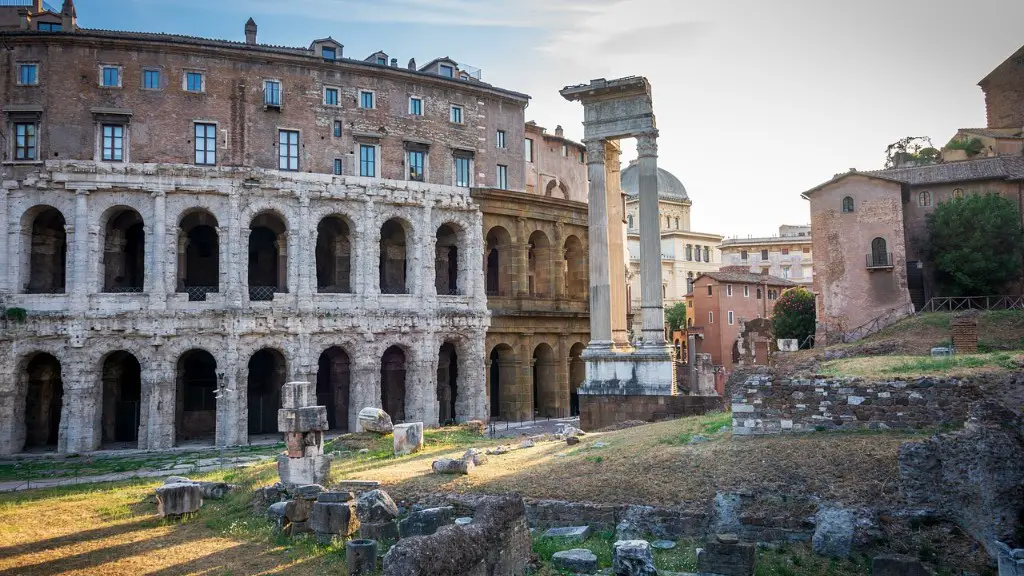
643	372
303	424
724	554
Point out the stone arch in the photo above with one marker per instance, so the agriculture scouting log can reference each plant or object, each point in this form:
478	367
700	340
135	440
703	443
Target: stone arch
268	255
123	258
545	383
539	278
198	254
46	261
122	398
393	389
448	276
447	383
195	405
334	255
550	188
498	262
44	400
395	235
577	375
333	386
502	382
564	190
267	372
575	268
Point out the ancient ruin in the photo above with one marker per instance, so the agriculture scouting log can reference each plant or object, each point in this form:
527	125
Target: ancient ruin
303	424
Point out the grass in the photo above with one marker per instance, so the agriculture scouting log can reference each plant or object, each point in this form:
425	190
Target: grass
914	366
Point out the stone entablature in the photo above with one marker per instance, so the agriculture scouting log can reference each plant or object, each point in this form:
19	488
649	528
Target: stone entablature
764	405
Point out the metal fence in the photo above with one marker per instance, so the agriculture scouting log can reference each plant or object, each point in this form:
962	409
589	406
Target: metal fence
957	303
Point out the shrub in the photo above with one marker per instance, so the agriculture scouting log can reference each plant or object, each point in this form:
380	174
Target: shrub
794	315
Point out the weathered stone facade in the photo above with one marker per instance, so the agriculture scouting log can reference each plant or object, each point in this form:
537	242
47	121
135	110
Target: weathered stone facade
600	411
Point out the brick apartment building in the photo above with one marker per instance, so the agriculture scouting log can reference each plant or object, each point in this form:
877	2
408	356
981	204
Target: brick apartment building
721	300
869	228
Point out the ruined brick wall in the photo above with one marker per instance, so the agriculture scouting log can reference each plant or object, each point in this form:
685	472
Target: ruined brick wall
764	405
1004	93
964	328
598	412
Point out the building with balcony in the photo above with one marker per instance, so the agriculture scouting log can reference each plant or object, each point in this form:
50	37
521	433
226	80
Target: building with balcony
204	220
786	256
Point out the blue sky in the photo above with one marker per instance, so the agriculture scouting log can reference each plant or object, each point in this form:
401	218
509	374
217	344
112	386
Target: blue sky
756	100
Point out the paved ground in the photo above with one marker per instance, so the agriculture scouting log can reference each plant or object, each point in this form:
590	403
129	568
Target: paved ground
498	429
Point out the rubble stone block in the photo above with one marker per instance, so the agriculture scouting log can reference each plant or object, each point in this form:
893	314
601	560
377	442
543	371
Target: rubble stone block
477	456
298	395
380	531
577	561
376	506
177	499
833	535
633	558
361	556
296	528
425	522
335	497
299	444
375	420
569	534
898	565
306	470
276	514
408	438
451	466
299	509
334	518
724	554
302	419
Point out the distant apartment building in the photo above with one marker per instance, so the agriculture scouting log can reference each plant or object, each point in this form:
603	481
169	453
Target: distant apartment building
787	255
555	165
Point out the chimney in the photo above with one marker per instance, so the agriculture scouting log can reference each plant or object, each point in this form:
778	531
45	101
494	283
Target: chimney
558	131
412	63
25	18
69	18
394	62
250	31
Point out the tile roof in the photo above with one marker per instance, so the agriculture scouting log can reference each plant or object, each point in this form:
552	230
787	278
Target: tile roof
1014	133
994	168
747	278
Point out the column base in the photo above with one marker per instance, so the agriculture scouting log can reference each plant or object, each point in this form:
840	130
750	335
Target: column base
641	372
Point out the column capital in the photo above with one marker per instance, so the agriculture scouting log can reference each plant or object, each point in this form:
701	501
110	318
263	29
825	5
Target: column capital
647	144
595	151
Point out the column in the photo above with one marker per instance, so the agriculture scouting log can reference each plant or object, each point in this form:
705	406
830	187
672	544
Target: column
522	248
182	259
6	285
82	405
650	242
158	253
229	238
364	385
597	235
80	263
616	245
562	376
306	257
523	408
159	389
558	260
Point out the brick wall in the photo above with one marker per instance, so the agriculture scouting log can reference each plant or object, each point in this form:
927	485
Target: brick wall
598	412
763	405
1004	93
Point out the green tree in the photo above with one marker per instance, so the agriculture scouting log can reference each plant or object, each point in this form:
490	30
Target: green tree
975	243
676	316
794	315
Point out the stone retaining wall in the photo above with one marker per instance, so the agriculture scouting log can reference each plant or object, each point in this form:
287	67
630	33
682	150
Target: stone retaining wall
764	405
600	411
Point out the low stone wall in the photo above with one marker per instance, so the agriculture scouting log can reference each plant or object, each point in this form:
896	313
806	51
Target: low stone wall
599	411
764	405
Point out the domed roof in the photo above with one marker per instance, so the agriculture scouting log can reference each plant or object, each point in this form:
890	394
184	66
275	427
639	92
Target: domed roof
669	187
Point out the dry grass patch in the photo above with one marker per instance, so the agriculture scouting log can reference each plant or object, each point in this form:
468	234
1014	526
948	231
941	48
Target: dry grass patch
916	366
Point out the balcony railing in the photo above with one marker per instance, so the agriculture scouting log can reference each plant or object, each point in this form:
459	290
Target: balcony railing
198	293
879	260
124	290
261	293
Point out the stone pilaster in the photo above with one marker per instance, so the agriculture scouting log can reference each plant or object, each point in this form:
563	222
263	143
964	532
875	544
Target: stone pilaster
229	236
232	399
474	379
522	256
306	258
156	417
157	255
79	269
558	260
524	379
597	220
6	263
650	242
562	375
364	388
80	412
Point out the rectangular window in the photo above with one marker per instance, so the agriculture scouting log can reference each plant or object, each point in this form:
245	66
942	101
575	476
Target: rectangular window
728	290
415	159
746	291
529	150
206	144
764	254
785	272
447	71
331	96
807	250
709	290
785	251
367	160
582	160
111	76
731	318
382	61
337	128
565	150
271	93
329	53
151	79
113	143
25	141
711	317
194	81
366	100
743	255
416	106
50	27
28	74
288	150
502	177
462	171
499	138
456	114
337	166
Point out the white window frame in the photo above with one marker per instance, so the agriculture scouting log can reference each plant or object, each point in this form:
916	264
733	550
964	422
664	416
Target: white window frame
216	150
280	92
455	173
528	143
732	318
728	290
426	164
418	99
376	159
746	291
500	139
120	76
298	149
12	130
711	317
337	99
498	179
202	81
373	99
462	114
17	68
125	142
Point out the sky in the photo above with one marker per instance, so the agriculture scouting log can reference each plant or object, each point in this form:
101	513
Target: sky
755	100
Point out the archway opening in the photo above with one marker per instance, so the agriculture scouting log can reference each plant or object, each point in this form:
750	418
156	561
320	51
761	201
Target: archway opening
198	255
333	381
124	252
267	372
43	402
47	253
268	257
545	386
502	382
577	374
499	242
575	268
539	261
196	400
333	256
122	394
447	383
446	261
392	383
393	258
550	188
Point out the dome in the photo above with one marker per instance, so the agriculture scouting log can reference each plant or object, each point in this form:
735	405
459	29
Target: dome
669	187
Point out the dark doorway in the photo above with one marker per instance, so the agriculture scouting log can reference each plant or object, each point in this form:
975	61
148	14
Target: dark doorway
124	253
446	261
122	392
333	256
267	373
48	253
447	383
333	378
43	402
545	388
915	284
267	257
198	256
393	258
196	404
392	383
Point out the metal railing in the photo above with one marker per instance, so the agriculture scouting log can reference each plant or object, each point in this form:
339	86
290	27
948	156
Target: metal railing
394	289
957	303
879	260
883	320
124	290
198	293
261	293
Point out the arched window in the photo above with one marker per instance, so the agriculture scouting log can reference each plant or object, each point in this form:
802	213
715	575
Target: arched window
958	193
847	205
630	221
924	198
879	256
689	282
677	223
707	254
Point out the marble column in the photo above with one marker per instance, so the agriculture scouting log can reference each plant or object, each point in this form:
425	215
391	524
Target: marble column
616	245
597	234
650	242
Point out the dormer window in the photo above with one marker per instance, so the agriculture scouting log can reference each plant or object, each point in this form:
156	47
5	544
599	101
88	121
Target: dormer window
329	53
446	70
382	60
464	76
